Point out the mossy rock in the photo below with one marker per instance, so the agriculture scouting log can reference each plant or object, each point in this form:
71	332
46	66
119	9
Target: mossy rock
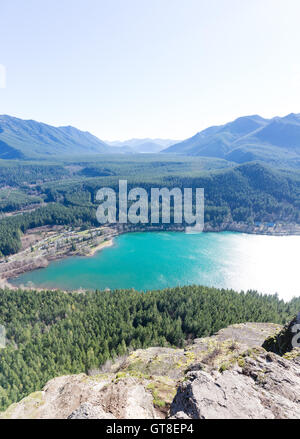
28	406
163	391
284	341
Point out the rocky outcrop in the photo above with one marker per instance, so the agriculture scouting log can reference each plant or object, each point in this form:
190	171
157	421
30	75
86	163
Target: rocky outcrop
259	385
227	375
286	339
103	396
89	411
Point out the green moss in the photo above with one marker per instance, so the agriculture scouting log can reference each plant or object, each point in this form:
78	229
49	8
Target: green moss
159	402
121	375
136	363
30	405
292	354
223	367
162	392
97	378
190	355
38	396
241	362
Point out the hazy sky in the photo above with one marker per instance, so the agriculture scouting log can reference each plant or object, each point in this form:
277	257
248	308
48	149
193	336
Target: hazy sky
148	68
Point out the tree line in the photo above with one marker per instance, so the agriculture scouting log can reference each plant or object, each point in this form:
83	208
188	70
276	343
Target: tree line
248	193
51	333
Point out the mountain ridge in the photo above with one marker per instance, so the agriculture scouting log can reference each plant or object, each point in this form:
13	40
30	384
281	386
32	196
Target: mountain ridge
275	141
247	138
28	138
146	145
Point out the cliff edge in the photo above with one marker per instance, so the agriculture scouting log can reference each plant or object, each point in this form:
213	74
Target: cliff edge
227	375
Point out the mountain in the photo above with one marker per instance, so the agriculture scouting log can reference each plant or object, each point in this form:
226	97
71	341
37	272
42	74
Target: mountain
143	145
275	141
27	138
249	138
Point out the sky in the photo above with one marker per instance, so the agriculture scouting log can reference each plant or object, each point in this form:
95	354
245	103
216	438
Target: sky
148	68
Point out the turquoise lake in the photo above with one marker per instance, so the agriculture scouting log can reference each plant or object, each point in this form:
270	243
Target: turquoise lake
153	260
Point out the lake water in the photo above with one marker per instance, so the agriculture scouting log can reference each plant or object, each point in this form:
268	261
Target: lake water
152	260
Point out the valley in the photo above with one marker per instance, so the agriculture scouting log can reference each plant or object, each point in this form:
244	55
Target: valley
149	214
110	292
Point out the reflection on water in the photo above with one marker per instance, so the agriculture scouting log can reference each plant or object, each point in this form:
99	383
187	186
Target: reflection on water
146	261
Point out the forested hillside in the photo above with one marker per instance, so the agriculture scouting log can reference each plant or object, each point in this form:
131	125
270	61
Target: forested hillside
247	193
27	138
51	333
274	141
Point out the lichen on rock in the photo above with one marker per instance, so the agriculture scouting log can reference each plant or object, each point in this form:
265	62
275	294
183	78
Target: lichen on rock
211	377
286	339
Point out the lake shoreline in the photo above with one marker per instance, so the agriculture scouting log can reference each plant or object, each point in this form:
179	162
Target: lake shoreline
43	262
99	247
277	229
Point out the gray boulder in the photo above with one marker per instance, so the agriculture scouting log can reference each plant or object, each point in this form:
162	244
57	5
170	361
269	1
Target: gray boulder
286	339
89	411
259	386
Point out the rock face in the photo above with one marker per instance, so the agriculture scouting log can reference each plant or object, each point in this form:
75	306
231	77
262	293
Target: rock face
227	375
286	339
89	411
259	386
81	397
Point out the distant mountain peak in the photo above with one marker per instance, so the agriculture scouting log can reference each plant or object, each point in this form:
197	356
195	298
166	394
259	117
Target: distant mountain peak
29	138
247	138
144	145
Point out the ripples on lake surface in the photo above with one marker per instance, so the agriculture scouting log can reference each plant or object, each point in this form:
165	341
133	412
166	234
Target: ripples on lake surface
152	260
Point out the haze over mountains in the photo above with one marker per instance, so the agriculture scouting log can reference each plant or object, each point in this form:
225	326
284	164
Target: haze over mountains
143	145
30	139
251	138
27	138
